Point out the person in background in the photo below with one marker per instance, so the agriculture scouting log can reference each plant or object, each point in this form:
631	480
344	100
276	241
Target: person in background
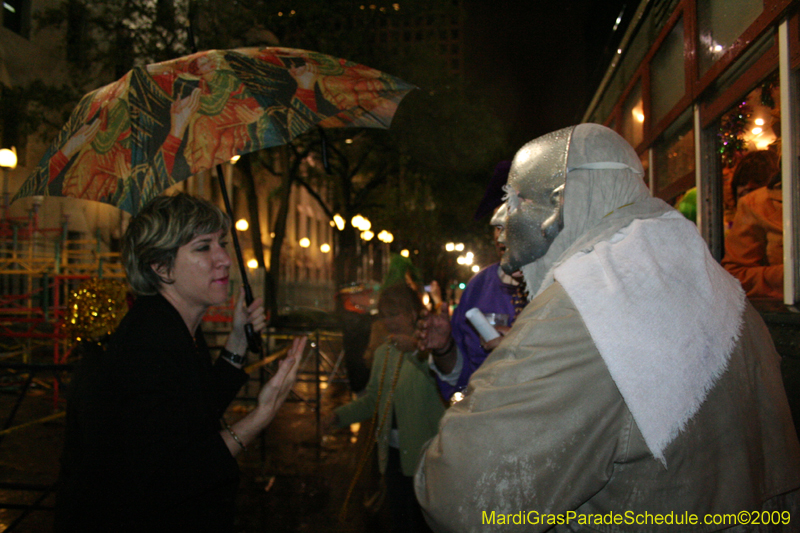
403	269
356	304
456	348
754	244
403	401
145	447
754	170
637	381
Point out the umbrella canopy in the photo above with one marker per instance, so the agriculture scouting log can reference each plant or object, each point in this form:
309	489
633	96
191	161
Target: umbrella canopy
161	123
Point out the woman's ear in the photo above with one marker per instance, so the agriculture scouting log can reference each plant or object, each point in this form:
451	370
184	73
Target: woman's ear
162	271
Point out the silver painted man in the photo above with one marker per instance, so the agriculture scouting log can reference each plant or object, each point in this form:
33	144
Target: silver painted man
637	383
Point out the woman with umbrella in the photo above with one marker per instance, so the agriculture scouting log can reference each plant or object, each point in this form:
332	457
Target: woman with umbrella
144	448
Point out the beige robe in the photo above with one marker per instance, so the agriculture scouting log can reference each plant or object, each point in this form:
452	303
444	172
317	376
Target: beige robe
544	429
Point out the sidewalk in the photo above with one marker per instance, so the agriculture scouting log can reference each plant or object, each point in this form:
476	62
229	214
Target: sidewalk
301	486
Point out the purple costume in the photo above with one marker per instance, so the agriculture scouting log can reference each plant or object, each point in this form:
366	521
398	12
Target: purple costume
489	294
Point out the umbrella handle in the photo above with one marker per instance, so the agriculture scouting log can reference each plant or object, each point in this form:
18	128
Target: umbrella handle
253	338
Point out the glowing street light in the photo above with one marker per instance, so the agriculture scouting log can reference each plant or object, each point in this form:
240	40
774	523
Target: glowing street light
242	224
404	253
385	236
305	242
8	158
361	223
450	247
339	221
8	162
367	235
325	248
252	263
460	247
476	268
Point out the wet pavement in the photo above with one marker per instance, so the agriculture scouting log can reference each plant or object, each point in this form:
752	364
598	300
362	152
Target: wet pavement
293	479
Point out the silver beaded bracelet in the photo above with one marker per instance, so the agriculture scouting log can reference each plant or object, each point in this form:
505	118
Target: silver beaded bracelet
234	435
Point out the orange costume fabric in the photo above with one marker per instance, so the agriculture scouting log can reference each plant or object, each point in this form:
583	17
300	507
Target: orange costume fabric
754	244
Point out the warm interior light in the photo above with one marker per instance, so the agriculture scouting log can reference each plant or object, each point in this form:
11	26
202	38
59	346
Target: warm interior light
305	242
759	122
252	263
242	224
404	253
234	159
325	248
757	131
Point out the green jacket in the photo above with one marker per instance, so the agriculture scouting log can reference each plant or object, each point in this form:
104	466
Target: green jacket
417	405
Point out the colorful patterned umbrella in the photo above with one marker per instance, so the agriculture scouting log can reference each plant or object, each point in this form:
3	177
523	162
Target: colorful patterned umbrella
161	123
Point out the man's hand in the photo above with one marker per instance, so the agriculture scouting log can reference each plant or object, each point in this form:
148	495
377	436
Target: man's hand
492	344
433	331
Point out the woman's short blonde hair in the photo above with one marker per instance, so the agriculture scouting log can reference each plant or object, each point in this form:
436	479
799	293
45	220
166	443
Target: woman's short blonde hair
162	226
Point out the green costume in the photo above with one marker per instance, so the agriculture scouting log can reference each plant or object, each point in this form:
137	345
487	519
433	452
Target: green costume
416	404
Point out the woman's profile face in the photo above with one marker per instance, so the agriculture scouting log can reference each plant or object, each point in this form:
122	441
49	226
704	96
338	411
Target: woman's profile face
200	273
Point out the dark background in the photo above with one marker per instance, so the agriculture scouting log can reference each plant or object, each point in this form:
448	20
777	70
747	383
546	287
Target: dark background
540	61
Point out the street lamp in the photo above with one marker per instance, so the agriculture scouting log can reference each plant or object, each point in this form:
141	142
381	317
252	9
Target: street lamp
8	161
385	236
361	223
242	224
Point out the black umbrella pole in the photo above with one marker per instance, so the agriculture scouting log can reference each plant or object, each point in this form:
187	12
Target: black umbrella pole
253	339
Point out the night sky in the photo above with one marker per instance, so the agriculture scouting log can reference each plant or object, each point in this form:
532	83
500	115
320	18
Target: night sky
540	61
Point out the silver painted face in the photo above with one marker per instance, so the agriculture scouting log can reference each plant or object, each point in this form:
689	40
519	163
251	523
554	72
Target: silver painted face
535	199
